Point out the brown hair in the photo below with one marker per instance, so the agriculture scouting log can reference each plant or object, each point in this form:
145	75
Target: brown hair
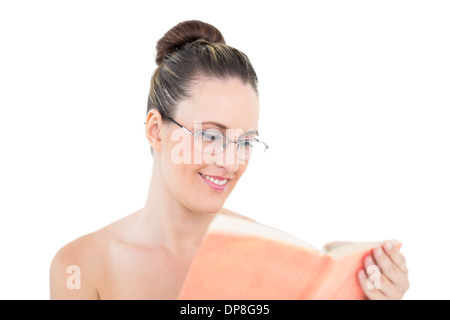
187	52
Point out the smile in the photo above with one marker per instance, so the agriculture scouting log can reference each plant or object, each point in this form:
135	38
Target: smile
214	180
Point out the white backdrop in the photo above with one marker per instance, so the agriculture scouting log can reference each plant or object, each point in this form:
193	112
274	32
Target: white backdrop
355	99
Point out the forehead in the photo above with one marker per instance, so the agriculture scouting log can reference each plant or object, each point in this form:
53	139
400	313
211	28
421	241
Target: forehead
229	102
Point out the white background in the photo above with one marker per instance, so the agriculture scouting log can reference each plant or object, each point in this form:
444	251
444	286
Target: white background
355	99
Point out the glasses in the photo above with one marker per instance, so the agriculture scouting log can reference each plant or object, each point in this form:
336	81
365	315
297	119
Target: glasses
213	142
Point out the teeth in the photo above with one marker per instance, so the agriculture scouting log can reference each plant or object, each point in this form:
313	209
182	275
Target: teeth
215	181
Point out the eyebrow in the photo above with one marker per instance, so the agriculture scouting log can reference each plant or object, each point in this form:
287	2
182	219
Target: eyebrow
224	127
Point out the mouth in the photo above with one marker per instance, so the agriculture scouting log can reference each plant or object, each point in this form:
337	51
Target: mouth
215	182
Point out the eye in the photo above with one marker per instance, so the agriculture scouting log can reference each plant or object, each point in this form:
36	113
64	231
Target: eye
247	140
211	136
247	143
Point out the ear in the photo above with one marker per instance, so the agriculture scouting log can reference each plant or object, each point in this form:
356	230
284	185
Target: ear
153	128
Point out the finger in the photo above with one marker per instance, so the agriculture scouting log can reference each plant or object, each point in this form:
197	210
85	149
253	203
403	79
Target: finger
388	268
394	290
395	255
390	290
368	262
379	280
370	292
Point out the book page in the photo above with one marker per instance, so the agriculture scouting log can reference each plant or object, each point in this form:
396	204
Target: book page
339	249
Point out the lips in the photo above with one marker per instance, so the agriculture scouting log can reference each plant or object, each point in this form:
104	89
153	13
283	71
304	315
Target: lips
218	183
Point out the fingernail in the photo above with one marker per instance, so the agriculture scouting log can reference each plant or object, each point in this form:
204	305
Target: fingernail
378	252
388	245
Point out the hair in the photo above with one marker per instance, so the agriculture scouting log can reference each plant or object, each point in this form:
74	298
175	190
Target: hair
188	52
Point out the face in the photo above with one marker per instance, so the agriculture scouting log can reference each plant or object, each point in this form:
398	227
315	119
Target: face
227	106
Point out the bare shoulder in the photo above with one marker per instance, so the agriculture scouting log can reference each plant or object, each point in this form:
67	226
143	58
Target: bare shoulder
75	268
78	269
235	214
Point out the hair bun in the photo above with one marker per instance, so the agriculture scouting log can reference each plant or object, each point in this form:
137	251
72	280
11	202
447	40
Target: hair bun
183	33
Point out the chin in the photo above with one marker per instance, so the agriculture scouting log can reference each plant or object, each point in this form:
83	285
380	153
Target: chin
207	208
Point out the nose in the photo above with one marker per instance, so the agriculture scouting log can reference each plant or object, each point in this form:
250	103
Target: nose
228	159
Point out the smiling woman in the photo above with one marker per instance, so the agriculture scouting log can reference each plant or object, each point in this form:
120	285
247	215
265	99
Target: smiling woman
146	255
202	127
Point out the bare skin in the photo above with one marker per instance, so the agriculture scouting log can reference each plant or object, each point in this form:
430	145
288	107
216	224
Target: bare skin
116	264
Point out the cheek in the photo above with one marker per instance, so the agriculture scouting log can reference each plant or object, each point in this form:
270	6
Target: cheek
177	163
238	174
179	149
242	169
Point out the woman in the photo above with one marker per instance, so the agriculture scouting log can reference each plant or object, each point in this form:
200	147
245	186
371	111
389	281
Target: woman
202	126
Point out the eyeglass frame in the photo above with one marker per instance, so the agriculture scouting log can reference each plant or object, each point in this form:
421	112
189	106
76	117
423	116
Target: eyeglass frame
228	140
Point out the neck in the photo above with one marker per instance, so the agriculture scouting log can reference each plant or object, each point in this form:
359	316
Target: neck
172	224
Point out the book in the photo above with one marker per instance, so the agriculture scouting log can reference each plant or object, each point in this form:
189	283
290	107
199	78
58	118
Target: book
241	259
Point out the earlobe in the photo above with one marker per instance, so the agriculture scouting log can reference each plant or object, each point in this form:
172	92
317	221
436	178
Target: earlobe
153	129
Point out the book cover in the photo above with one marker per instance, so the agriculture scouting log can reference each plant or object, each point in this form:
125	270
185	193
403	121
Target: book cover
243	260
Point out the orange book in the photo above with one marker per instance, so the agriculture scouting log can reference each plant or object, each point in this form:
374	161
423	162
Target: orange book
244	260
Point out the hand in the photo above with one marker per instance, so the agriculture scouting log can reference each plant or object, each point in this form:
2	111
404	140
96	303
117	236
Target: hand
393	281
